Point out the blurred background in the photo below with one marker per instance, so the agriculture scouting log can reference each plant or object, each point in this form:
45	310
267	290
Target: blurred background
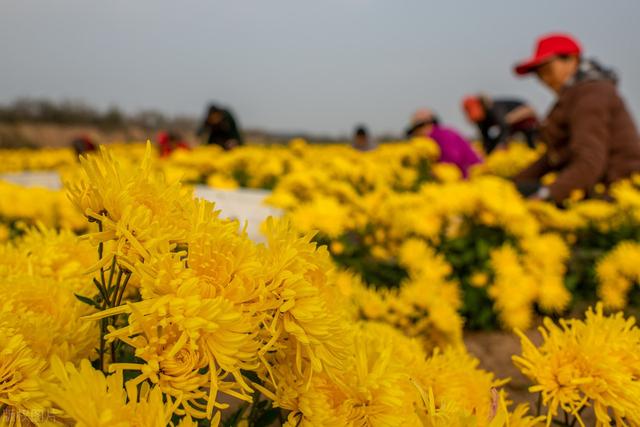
284	68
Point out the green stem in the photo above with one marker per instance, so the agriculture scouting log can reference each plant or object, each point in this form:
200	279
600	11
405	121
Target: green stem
100	255
113	320
252	413
101	244
117	289
103	329
102	293
111	272
122	289
254	408
112	350
103	322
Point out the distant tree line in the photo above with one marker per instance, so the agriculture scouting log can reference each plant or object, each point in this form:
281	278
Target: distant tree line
67	112
70	113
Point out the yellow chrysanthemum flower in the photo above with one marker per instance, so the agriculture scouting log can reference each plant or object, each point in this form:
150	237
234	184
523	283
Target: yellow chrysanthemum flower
592	362
20	370
89	399
617	271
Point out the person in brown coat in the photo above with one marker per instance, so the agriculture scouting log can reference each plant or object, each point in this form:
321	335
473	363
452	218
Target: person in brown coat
590	135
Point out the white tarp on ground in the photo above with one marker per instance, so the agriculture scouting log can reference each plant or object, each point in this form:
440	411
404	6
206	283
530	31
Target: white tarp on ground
245	205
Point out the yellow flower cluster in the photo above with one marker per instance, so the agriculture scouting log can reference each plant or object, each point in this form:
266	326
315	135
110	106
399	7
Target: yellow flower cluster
58	159
197	316
528	278
621	209
617	272
424	306
40	317
87	398
213	303
586	363
21	206
391	381
369	204
389	222
599	214
164	313
507	162
19	160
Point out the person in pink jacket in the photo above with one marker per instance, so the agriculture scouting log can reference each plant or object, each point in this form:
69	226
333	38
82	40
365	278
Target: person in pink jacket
454	148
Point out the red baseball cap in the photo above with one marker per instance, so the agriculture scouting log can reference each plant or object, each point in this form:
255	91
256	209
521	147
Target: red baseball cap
547	47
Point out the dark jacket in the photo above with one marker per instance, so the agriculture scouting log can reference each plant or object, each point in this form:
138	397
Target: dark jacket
223	132
494	129
590	136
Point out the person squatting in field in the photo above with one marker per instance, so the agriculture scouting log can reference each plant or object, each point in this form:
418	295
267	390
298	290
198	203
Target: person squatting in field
220	128
589	133
362	140
499	120
454	148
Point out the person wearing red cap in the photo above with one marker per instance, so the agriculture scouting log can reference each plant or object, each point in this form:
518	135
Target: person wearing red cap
499	120
591	138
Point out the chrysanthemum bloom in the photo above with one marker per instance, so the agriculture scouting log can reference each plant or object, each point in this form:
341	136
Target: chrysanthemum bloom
457	383
223	258
213	303
44	252
552	218
593	362
135	207
49	317
375	388
40	274
33	205
390	382
89	399
547	270
20	369
514	304
190	346
425	305
509	161
617	272
324	214
296	281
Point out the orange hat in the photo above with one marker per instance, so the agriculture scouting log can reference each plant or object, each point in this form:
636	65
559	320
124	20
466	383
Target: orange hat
474	108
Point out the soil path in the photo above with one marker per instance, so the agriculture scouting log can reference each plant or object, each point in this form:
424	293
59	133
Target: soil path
494	349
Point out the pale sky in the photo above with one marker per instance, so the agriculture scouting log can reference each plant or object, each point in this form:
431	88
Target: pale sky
298	65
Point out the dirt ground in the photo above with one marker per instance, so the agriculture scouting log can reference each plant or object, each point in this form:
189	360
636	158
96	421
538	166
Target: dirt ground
494	349
53	135
15	135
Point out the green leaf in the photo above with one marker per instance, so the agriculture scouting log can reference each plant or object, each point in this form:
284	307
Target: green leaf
234	418
267	418
88	301
110	290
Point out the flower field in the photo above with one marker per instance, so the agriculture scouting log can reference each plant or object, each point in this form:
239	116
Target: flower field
130	302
